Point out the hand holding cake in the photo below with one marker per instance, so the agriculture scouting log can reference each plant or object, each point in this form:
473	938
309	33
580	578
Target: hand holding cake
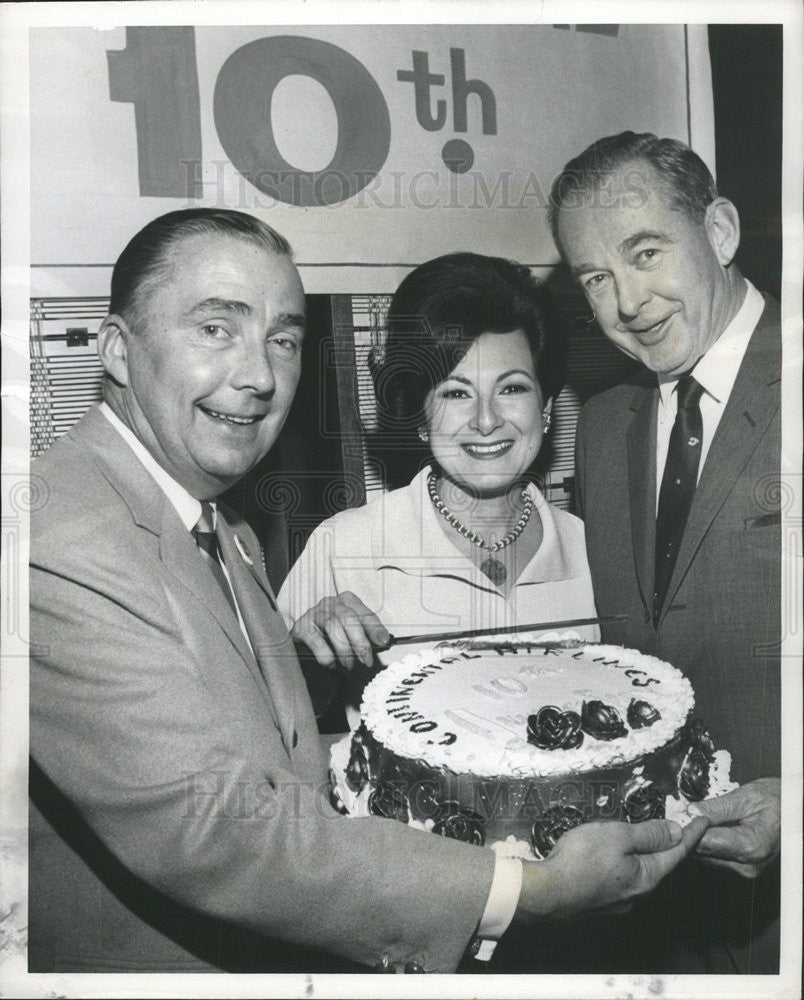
745	827
598	867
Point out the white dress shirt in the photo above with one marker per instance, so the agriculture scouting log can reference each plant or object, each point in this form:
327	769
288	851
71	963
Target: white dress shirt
716	371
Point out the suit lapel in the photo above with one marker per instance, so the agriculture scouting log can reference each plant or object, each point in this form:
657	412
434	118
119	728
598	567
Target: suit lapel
266	628
752	404
181	558
152	511
250	560
641	448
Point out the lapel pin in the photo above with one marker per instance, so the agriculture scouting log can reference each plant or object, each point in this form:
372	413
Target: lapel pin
241	548
693	441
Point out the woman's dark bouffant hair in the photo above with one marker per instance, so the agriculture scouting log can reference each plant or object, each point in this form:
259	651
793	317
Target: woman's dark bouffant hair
436	314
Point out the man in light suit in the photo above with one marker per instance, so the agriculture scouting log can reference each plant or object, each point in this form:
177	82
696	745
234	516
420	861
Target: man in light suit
180	817
641	225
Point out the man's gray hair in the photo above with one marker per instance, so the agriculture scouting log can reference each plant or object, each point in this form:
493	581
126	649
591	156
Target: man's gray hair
689	184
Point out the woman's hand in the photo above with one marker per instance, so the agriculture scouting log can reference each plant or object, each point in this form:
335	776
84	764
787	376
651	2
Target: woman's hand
604	867
341	630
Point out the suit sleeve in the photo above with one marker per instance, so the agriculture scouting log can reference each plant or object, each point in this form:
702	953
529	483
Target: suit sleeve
189	785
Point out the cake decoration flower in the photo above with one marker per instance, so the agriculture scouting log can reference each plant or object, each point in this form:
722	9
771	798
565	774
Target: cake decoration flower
693	774
388	801
551	825
700	738
644	801
425	800
693	778
602	721
357	770
552	729
460	824
641	714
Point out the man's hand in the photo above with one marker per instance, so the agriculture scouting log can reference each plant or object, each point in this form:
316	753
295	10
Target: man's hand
340	630
745	827
603	867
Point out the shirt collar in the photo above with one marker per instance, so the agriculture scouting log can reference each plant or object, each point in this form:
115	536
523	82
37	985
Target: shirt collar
187	507
717	370
549	562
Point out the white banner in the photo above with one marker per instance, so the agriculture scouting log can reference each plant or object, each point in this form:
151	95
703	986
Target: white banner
370	147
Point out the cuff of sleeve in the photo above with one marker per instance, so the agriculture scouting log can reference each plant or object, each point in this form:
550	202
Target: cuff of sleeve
501	904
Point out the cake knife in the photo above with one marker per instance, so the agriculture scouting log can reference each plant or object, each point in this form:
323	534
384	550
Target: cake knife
399	640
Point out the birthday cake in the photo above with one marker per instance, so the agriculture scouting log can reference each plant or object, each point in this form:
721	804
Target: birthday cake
511	743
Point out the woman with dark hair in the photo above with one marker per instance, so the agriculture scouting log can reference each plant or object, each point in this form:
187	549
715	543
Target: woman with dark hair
437	312
473	361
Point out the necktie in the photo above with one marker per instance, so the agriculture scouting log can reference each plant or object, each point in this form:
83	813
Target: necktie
678	485
207	542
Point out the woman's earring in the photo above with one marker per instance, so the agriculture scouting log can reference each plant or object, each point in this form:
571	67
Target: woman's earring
424	436
546	419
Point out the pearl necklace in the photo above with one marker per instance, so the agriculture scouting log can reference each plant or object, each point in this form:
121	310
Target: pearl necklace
492	568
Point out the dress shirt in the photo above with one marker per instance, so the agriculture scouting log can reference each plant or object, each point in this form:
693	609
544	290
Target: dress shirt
716	371
506	886
187	507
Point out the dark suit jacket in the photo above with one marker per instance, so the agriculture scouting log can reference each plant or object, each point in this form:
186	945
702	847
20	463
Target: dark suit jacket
180	818
721	621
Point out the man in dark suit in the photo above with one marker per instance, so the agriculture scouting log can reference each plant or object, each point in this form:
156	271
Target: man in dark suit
180	817
678	484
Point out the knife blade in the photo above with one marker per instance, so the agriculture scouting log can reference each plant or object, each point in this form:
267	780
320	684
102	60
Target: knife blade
400	640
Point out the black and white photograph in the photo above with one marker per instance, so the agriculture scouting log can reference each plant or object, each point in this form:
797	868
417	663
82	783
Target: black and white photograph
401	499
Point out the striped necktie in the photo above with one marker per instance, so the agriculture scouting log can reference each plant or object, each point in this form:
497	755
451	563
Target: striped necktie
207	542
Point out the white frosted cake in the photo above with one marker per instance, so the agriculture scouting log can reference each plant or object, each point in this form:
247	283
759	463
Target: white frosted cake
513	742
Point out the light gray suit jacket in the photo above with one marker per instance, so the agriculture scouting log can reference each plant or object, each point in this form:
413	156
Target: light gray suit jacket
180	815
721	621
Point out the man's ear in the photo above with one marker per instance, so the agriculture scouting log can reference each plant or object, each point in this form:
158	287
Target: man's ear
722	225
113	348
